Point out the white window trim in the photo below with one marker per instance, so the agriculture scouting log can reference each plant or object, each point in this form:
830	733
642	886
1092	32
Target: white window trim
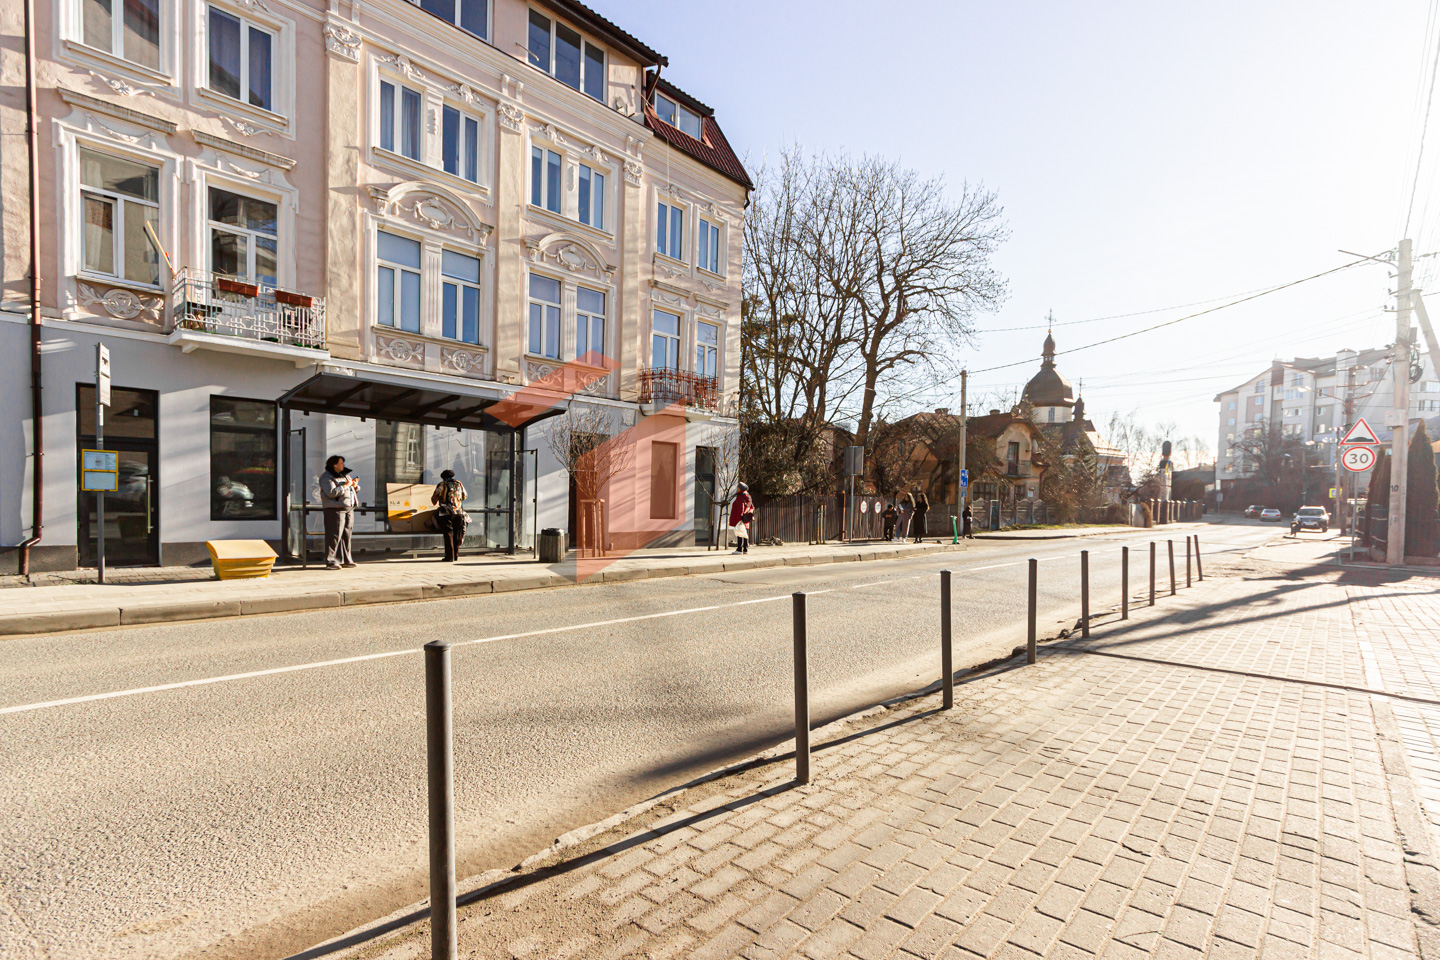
282	117
208	170
607	209
489	19
397	133
719	326
684	347
572	154
69	210
607	323
432	242
567	298
377	263
585	40
721	242
544	165
679	109
688	246
568	313
71	47
435	95
477	285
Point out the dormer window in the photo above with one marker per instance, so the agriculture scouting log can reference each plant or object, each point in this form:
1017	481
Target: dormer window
562	53
683	119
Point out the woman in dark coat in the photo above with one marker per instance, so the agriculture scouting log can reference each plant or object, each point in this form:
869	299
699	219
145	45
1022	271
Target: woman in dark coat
966	519
922	507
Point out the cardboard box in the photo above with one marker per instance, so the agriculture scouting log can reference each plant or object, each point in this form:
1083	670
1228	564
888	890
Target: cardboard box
408	507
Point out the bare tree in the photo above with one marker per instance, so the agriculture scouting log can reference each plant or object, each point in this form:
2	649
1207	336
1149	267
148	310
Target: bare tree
727	482
582	441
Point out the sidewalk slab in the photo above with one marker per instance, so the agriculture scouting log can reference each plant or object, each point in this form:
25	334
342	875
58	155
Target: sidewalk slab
1229	774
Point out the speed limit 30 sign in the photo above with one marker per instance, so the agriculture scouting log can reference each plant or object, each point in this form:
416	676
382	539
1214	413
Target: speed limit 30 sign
1358	458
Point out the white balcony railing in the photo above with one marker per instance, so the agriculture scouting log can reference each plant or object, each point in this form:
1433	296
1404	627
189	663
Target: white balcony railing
253	311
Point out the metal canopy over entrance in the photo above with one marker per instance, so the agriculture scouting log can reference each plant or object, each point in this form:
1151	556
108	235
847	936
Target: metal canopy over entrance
404	400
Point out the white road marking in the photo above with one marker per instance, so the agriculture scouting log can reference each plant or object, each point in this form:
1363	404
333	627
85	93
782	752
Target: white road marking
227	678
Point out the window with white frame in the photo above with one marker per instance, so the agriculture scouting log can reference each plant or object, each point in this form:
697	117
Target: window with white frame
397	280
677	115
566	56
1232	404
1230	422
670	230
472	16
709	246
242	59
544	316
460	144
1291	412
400	109
589	323
545	179
1427	406
590	197
707	349
118	198
665	340
243	237
459	297
131	33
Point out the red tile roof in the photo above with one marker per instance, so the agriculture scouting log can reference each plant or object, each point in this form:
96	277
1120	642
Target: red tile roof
712	149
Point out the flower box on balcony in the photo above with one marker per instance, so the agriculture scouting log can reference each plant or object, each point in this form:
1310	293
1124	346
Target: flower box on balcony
225	285
294	299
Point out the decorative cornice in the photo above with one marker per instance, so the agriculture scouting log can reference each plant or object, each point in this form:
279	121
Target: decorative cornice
633	170
240	149
122	304
511	116
115	110
404	65
122	87
341	42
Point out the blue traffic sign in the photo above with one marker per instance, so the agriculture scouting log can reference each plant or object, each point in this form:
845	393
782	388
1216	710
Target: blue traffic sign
964	478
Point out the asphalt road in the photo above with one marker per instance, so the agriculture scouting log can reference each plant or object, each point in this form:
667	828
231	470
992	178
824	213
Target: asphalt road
255	815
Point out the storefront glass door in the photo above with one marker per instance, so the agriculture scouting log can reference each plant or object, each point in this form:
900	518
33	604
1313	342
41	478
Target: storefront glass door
132	513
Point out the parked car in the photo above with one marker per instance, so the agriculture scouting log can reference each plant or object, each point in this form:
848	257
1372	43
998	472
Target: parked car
1311	518
1253	510
1270	514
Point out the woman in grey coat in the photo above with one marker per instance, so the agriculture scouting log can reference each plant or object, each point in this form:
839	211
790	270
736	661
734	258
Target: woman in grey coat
340	493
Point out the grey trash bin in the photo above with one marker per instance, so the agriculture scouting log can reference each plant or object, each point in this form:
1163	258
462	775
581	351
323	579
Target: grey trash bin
551	546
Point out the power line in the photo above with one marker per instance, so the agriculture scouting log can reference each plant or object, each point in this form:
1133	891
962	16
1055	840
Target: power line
1170	323
1118	316
1424	128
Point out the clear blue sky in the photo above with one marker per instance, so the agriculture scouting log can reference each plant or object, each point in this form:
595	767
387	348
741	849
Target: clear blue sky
1147	155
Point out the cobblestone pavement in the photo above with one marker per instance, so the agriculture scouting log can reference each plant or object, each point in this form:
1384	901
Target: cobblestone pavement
1219	777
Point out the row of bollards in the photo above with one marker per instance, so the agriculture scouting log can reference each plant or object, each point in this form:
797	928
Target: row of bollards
440	736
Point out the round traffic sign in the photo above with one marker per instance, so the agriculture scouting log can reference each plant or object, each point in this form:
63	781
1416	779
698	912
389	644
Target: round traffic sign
1358	458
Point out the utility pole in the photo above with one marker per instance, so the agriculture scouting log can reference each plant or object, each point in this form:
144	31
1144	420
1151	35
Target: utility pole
1400	435
1347	420
960	489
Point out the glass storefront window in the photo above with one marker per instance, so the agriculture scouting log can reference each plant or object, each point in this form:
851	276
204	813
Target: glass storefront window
243	457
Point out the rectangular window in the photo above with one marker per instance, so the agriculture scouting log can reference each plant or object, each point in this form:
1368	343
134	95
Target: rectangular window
557	50
678	116
1230	422
472	16
460	145
665	341
118	198
670	230
243	452
544	316
707	349
590	193
135	36
241	59
545	179
664	471
589	324
459	297
398	282
243	241
401	126
709	246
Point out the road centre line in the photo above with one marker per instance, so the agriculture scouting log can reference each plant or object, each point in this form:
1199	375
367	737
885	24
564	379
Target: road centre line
342	661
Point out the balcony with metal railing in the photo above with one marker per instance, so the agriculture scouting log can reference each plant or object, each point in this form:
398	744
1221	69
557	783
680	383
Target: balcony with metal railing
209	312
663	387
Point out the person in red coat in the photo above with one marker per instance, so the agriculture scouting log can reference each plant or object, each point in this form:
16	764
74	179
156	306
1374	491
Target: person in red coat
742	512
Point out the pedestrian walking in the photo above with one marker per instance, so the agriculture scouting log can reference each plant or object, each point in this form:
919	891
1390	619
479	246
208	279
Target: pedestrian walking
906	510
340	491
922	507
890	516
966	519
450	516
742	513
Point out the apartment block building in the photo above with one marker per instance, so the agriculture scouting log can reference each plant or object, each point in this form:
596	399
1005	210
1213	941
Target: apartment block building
1306	398
413	234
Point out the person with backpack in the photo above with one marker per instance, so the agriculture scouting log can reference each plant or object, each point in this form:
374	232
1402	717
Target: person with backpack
450	516
742	513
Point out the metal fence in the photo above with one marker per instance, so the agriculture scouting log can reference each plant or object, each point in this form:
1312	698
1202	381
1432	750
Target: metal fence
253	311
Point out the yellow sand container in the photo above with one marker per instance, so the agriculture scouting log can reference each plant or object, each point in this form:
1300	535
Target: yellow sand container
238	559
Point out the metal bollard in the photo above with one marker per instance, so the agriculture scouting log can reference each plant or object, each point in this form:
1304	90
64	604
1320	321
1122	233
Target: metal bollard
1030	640
1170	547
1188	584
947	665
802	693
1084	593
1124	583
440	762
1199	567
1152	573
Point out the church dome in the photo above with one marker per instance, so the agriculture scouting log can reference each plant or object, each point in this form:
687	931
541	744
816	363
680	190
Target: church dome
1048	388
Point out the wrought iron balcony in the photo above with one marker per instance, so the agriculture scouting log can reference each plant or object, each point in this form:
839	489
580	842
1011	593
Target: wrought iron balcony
666	387
252	311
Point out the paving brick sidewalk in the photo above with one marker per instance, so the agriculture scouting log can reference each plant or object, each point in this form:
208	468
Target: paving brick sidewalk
1221	782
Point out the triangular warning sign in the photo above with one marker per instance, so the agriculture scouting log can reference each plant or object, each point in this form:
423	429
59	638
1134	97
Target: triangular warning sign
1360	433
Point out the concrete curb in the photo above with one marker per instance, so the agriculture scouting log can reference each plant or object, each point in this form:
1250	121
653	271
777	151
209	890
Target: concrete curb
64	621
